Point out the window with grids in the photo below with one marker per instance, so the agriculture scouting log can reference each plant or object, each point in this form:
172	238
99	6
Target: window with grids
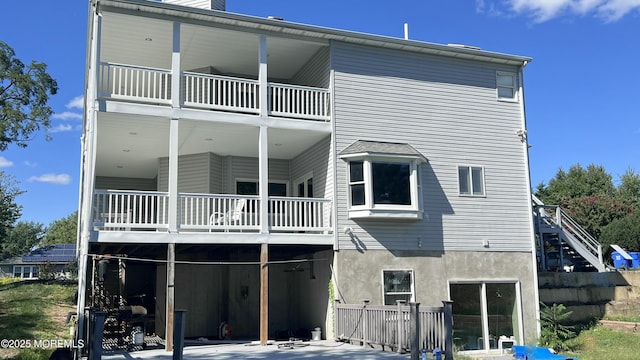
398	285
506	86
471	180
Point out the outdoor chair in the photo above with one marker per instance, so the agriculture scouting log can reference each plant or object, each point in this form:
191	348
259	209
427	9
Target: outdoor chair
232	217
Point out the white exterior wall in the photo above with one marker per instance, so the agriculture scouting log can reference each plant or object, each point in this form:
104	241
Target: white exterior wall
447	109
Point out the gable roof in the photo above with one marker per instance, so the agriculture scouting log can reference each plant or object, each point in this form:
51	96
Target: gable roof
379	148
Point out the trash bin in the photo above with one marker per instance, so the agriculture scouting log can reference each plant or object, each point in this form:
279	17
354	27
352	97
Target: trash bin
635	262
620	262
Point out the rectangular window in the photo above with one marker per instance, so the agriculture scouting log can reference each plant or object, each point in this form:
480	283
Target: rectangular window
391	183
506	85
471	180
356	182
25	272
398	285
251	188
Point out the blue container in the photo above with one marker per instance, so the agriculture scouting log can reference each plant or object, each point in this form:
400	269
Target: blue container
621	263
635	262
437	354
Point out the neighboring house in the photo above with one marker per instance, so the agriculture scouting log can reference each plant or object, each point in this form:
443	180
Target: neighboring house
251	169
55	260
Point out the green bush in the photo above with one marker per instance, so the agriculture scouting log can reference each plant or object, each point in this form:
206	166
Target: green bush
555	332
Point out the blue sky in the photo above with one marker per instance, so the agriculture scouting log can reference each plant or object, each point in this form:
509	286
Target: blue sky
582	89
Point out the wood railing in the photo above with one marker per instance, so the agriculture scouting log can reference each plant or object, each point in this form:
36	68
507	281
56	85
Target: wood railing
124	210
135	83
221	92
215	212
390	326
293	100
214	92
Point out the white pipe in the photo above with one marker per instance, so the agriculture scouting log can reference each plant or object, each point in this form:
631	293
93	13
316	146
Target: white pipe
406	31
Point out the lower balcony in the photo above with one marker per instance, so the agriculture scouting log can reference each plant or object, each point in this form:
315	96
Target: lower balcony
123	211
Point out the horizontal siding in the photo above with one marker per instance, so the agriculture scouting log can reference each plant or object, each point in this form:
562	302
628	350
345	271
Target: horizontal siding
116	183
316	71
446	109
193	173
315	160
246	168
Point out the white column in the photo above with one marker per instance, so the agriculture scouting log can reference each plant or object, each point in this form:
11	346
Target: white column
262	77
173	130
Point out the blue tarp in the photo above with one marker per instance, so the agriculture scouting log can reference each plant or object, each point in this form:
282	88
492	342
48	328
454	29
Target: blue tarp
537	353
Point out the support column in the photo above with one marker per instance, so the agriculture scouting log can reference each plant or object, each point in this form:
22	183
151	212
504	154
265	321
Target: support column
264	294
170	306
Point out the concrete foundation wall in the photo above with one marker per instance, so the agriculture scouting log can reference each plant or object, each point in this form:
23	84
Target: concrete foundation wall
359	276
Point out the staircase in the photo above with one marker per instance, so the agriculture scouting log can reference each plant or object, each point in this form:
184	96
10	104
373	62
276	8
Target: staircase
563	243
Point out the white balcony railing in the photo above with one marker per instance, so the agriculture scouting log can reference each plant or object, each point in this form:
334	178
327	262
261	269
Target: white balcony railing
299	214
125	210
214	92
214	212
221	92
135	83
298	101
139	210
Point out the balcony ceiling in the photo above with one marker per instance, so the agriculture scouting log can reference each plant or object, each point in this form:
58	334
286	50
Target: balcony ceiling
148	42
131	146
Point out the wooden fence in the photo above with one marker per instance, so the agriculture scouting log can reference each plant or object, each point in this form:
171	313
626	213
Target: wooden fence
403	327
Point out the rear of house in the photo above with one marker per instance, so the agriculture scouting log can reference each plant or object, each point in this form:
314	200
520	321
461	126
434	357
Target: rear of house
254	170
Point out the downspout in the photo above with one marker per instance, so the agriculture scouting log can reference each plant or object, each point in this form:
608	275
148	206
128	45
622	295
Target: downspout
87	161
525	144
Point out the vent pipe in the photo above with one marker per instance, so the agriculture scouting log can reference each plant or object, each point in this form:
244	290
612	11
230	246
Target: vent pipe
406	31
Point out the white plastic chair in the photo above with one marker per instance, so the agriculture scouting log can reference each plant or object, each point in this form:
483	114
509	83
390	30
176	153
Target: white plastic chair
229	218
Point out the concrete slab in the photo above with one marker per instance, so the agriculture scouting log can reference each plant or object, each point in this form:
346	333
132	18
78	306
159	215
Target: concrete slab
324	350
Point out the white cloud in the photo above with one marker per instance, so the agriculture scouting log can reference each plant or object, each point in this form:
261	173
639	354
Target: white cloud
30	164
4	162
544	10
61	128
76	103
59	179
67	115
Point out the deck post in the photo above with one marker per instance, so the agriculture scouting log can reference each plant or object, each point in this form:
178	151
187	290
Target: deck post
365	325
414	329
171	264
178	334
447	307
264	294
97	318
400	330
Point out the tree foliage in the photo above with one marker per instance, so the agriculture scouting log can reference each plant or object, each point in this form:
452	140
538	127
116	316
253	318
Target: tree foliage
577	182
22	237
624	232
10	211
554	328
24	93
62	231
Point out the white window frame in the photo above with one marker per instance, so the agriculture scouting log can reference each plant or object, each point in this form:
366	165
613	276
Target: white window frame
371	210
413	285
22	268
470	181
513	87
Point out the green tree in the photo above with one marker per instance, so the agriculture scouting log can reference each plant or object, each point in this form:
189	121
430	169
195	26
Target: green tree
62	231
624	232
577	182
629	188
24	93
10	212
554	330
22	237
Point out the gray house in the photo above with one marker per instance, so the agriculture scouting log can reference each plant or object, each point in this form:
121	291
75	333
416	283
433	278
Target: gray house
57	261
252	170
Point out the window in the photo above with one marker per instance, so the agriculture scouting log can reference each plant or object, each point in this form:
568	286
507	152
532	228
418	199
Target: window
506	85
383	188
25	272
251	188
471	180
398	285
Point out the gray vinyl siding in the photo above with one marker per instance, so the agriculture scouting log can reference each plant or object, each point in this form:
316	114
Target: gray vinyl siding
246	168
117	183
447	109
316	71
314	160
193	173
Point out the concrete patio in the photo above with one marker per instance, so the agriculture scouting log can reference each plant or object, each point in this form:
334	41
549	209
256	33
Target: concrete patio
326	349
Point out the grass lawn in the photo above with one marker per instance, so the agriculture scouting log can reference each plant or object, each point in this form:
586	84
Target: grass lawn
34	310
601	343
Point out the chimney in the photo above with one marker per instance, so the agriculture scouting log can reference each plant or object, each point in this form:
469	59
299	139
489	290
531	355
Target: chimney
202	4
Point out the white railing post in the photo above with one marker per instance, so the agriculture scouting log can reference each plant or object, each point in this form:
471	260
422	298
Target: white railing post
558	216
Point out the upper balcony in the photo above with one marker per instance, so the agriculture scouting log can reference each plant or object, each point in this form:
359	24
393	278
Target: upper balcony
219	68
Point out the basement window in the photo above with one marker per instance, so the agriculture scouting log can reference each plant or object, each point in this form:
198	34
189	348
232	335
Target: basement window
398	285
